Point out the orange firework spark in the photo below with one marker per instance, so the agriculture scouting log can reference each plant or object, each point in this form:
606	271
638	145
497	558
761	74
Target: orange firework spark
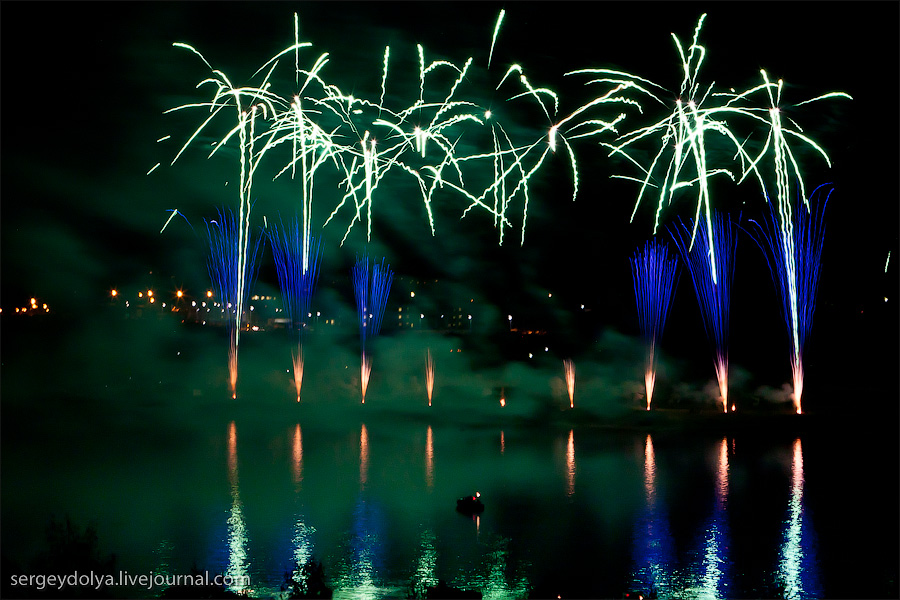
298	369
365	371
569	367
649	380
232	368
429	375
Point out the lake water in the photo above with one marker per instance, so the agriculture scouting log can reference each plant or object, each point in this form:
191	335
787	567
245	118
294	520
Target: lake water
172	478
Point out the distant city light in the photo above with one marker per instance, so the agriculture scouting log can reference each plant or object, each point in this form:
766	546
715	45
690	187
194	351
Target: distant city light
179	293
114	293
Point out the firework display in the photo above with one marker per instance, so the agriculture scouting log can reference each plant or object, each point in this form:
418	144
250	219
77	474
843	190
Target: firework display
794	254
655	275
232	268
371	287
713	297
687	155
457	198
297	265
441	142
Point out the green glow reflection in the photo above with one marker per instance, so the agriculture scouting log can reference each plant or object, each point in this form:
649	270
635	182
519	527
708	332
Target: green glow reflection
715	556
426	565
653	548
303	547
357	574
495	581
797	566
238	562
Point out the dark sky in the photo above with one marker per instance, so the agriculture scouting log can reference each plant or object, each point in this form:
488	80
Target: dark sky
85	86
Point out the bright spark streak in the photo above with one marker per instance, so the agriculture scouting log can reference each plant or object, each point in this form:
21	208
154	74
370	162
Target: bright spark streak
175	212
887	262
384	73
153	168
494	37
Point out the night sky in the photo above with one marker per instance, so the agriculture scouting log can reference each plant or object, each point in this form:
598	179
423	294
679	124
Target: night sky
86	85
